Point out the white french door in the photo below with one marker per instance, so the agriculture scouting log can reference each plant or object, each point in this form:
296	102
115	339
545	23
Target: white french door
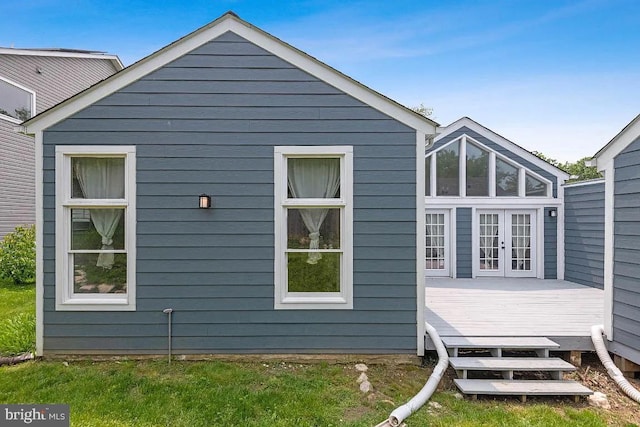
505	243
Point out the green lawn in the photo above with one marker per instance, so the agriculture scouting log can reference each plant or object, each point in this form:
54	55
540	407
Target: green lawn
17	318
151	393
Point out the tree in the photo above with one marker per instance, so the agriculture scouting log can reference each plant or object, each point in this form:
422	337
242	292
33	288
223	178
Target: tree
578	170
425	111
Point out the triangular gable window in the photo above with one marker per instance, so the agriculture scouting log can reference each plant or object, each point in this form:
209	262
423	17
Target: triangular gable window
466	168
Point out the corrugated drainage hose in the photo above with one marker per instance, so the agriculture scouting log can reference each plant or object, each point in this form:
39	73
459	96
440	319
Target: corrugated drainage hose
400	414
598	342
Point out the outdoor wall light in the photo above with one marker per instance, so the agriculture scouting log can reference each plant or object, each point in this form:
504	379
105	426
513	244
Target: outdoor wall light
205	201
553	213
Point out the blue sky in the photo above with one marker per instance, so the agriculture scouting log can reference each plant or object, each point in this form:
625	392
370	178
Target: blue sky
559	77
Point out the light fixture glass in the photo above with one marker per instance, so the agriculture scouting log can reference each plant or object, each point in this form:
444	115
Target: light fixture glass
205	201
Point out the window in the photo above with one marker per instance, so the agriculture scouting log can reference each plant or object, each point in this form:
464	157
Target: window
17	103
465	167
448	170
313	227
437	250
477	171
506	179
95	228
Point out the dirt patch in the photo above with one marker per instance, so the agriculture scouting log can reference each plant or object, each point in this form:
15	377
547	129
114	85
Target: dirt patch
389	380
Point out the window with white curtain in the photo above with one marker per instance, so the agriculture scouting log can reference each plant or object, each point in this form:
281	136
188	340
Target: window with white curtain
313	221
95	228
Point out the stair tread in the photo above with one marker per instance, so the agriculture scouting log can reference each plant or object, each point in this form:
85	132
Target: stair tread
499	342
510	364
522	387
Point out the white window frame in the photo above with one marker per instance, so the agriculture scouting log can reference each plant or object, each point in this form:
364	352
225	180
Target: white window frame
33	101
493	155
66	300
313	300
446	271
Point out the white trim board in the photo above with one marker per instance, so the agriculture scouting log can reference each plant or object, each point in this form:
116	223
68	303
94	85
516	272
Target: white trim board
421	240
230	22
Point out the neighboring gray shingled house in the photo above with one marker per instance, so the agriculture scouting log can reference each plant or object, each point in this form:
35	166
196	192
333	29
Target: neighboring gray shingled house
317	198
31	81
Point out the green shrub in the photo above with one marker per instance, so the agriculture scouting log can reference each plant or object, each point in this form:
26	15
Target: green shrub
18	255
18	334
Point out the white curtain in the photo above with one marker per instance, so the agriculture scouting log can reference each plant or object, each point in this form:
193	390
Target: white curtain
102	178
316	179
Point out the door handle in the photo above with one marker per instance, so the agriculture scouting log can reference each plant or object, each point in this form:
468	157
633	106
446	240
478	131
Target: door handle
501	245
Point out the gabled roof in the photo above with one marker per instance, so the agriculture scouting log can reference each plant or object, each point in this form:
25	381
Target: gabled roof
626	136
499	139
64	53
230	22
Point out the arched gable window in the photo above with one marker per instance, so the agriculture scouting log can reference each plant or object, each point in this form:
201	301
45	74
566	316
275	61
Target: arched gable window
466	168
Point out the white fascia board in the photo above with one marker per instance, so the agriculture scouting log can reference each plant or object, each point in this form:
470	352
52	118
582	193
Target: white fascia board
583	183
498	139
626	136
262	39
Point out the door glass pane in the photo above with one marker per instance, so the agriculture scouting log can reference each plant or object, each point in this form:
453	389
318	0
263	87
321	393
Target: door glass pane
313	228
321	276
15	102
477	171
521	242
97	178
448	170
435	241
489	241
506	179
313	178
535	187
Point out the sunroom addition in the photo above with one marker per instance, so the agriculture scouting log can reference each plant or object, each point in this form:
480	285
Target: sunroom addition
485	210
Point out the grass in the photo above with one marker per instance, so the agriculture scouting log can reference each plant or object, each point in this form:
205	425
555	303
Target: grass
151	393
17	323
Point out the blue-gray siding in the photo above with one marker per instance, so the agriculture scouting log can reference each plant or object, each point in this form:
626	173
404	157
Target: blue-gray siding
550	245
584	234
626	269
60	78
464	261
499	149
208	122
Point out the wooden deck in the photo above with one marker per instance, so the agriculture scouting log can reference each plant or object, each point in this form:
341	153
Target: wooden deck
560	310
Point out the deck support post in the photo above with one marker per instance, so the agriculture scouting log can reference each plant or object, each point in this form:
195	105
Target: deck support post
627	367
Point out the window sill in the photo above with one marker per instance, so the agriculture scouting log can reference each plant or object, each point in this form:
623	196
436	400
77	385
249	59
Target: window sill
314	303
96	304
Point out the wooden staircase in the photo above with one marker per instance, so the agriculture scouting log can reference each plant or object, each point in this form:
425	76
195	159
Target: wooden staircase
503	357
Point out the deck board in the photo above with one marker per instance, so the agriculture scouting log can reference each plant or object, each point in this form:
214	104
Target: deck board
512	307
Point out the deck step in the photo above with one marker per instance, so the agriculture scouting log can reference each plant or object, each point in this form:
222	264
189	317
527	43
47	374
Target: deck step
522	387
540	345
508	365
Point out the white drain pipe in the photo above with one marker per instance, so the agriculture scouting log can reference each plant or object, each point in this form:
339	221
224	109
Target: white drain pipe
400	414
598	342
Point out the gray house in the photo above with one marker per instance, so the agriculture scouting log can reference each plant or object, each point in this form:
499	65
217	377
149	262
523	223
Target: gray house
315	196
31	81
619	160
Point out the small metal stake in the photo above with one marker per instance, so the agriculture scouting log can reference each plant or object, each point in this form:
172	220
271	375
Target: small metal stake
169	311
